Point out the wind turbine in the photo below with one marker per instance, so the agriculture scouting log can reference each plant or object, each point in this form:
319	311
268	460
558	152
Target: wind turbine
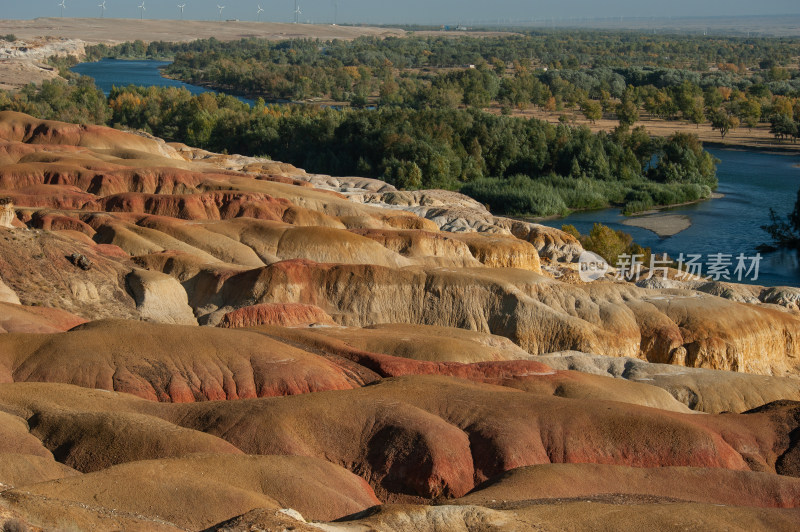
141	10
102	8
297	12
181	6
335	12
220	10
258	13
63	7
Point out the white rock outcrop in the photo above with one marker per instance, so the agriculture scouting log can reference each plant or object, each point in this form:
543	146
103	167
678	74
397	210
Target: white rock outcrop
160	298
7	295
7	214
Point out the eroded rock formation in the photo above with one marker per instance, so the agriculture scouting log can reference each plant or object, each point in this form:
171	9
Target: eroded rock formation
233	237
255	346
7	213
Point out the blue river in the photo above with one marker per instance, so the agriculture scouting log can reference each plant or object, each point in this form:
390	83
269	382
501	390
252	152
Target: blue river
109	73
752	183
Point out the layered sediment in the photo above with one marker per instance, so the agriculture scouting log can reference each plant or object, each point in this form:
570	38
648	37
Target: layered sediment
196	340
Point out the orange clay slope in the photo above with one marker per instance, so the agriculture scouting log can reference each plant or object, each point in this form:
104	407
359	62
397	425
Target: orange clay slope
191	340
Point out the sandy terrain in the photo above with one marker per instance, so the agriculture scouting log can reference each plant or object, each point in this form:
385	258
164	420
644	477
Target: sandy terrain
93	30
25	60
661	224
14	74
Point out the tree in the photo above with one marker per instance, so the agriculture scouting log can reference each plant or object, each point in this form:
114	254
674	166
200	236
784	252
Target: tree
359	98
390	94
444	97
610	244
499	66
628	109
627	113
684	94
782	106
592	110
723	121
605	101
658	103
404	174
778	74
749	112
783	127
785	234
200	128
695	113
713	97
640	143
571	230
683	160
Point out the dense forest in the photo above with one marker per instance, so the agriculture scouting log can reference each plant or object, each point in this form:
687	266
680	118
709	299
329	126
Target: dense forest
727	82
413	110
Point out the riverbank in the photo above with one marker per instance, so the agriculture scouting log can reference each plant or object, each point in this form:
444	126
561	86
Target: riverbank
25	61
750	183
658	208
652	210
232	91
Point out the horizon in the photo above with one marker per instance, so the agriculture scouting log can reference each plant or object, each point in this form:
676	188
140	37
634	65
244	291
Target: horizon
413	12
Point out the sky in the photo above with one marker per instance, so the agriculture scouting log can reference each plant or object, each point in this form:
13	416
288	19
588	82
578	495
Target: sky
402	11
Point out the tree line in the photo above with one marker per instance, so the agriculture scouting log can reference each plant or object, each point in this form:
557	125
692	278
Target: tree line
514	165
727	82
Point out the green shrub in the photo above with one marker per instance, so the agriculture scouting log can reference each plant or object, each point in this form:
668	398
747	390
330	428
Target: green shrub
634	207
610	244
519	195
571	230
